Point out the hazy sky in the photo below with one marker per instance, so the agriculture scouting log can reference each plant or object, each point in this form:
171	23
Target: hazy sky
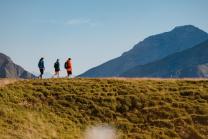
89	31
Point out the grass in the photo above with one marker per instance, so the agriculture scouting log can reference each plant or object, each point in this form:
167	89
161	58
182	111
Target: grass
6	81
136	108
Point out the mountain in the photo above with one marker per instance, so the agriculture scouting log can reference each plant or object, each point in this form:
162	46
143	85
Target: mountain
8	69
192	62
150	49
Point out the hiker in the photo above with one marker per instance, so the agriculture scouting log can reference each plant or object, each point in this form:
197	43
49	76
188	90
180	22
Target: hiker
57	68
41	67
68	67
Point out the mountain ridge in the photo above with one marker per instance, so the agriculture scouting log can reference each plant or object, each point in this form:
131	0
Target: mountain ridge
150	49
8	69
188	63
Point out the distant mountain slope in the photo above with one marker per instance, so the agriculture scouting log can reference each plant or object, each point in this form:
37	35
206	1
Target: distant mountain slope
151	49
8	69
192	62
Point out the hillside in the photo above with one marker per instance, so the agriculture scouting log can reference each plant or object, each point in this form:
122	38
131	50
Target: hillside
188	63
150	49
137	108
4	81
8	69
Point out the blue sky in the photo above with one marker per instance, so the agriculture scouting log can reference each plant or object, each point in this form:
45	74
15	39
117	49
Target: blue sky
89	31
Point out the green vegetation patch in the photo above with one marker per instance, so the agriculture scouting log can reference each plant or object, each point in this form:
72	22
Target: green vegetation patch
138	109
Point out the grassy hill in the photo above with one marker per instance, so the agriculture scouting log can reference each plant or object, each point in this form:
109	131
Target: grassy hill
136	108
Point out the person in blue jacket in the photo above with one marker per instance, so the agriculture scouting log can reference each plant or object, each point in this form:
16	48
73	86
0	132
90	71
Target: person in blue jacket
41	67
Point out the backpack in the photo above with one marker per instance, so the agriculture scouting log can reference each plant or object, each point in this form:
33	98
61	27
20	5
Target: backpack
56	65
66	65
41	64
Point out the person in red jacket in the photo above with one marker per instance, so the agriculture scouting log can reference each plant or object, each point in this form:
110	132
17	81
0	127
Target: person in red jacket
68	67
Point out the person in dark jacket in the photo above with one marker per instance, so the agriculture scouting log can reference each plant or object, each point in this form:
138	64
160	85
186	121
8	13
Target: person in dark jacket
41	67
57	68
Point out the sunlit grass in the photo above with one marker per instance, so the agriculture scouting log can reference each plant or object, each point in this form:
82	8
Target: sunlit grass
137	108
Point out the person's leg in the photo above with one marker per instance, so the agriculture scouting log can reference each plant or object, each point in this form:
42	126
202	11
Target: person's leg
40	76
69	74
41	73
54	74
58	74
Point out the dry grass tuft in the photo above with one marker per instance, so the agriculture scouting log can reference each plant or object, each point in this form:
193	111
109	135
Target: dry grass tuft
136	108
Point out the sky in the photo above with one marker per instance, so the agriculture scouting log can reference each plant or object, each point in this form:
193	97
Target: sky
88	31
